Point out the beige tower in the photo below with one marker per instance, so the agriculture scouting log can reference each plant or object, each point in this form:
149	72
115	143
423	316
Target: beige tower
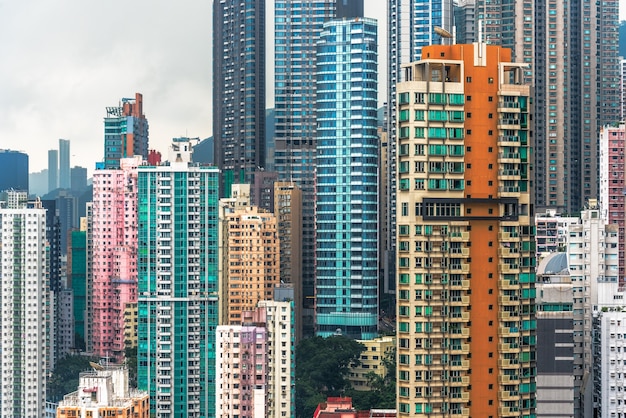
253	269
465	262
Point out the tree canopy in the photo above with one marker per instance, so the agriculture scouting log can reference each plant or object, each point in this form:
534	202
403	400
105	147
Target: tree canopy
64	378
322	365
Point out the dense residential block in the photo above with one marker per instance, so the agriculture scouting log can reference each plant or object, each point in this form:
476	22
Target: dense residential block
612	177
465	260
114	255
25	313
253	260
256	363
573	287
178	284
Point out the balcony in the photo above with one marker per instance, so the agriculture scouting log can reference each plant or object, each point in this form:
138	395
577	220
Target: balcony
510	157
509	332
509	268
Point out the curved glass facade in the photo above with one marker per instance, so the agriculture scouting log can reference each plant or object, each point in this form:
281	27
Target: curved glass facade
347	198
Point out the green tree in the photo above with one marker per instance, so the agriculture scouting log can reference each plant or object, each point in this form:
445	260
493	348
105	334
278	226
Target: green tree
321	368
64	378
383	393
130	355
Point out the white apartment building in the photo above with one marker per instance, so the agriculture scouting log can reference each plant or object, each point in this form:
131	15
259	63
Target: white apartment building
552	232
573	286
23	316
255	363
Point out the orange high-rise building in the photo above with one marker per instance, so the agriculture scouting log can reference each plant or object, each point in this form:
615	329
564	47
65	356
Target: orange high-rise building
465	260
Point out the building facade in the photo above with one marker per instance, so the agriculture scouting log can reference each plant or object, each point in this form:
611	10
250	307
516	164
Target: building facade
465	263
104	392
253	260
125	131
552	232
297	27
288	212
559	347
256	363
178	284
13	170
613	184
238	90
113	254
410	26
64	164
373	359
346	191
77	281
24	318
78	179
53	169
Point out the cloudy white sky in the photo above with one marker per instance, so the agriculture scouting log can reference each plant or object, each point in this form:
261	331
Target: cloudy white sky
62	62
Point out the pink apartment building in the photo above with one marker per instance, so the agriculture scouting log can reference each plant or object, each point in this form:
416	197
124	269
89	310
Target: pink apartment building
114	255
612	183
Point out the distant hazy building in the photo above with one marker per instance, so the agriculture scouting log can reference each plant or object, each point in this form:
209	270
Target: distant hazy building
25	312
203	152
105	392
78	182
238	90
38	182
67	210
64	164
53	170
13	170
125	131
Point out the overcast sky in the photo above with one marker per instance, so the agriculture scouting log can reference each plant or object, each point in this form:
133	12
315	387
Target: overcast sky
62	62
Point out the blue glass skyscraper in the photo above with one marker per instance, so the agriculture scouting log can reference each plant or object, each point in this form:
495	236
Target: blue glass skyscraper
347	166
297	27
